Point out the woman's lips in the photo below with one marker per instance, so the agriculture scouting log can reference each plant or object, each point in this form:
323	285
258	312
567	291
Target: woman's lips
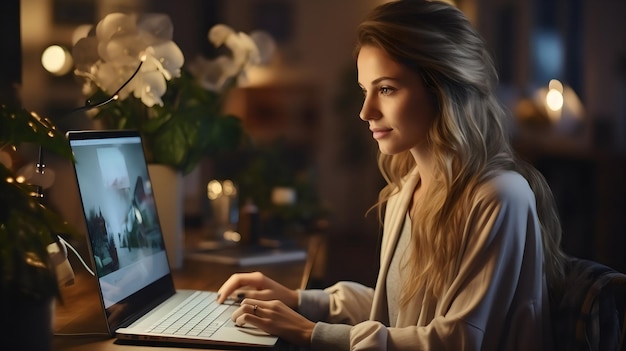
379	133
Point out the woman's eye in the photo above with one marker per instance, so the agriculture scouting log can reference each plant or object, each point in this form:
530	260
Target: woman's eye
386	90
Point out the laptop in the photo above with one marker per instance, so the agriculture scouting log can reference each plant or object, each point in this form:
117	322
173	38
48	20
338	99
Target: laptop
127	249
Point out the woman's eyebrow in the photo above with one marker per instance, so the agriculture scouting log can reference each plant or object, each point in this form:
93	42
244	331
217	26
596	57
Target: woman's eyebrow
383	78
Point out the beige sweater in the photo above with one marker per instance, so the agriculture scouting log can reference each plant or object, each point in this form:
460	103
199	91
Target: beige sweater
497	300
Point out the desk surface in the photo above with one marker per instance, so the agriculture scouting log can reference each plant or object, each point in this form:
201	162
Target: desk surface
81	317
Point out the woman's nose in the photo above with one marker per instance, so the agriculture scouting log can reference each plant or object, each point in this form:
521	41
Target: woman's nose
369	110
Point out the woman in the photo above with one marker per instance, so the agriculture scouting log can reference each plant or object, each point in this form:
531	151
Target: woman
471	236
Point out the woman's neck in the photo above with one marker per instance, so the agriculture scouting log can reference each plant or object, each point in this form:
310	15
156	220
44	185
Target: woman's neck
423	160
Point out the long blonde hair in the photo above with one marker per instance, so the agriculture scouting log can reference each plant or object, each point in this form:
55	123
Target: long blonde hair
467	138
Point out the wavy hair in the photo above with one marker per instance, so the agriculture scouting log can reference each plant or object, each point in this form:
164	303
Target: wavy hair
468	137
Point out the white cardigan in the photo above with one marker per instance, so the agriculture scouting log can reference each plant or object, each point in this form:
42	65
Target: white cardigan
497	300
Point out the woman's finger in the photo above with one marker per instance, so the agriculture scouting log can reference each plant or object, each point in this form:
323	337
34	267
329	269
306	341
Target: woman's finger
275	318
248	312
265	294
253	306
237	281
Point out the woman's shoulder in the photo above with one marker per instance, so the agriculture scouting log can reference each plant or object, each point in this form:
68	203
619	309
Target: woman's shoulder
506	186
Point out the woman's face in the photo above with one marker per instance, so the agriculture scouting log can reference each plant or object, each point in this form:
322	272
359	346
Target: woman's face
397	105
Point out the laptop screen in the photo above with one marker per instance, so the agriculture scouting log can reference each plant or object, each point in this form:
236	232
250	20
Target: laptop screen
125	239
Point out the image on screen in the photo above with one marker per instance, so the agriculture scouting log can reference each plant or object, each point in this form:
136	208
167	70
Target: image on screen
120	215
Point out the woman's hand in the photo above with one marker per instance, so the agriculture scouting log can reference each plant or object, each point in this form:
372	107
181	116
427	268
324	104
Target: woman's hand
276	318
257	286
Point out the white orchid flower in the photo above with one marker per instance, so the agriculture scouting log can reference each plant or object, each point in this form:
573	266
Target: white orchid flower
219	33
116	24
245	51
111	75
213	74
166	57
150	88
111	54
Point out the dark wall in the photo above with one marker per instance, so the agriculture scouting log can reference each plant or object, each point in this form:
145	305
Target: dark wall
11	58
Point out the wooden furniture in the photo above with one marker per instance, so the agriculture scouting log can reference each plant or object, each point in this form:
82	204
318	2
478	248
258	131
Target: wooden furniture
79	320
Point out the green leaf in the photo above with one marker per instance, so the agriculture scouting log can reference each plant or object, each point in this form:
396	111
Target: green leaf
19	126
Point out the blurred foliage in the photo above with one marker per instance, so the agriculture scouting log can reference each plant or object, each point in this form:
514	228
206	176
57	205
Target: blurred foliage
26	226
257	169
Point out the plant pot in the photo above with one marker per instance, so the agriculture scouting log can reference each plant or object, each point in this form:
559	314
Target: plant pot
168	189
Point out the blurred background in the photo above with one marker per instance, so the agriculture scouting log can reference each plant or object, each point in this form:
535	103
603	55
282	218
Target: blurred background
562	67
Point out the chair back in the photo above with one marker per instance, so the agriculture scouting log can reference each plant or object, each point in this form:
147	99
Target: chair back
588	314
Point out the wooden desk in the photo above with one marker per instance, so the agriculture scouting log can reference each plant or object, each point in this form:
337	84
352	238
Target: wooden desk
81	312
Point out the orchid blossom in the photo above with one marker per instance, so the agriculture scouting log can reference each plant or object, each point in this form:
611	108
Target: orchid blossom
108	56
177	110
246	51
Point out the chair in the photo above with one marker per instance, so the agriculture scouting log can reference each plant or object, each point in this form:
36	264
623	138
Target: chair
588	313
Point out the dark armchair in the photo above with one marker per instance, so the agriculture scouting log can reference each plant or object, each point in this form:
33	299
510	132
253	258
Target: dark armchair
589	309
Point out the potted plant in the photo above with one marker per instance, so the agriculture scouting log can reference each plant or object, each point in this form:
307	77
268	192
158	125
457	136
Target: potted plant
28	281
177	106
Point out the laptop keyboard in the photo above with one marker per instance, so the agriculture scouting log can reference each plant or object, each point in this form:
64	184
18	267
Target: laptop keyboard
196	316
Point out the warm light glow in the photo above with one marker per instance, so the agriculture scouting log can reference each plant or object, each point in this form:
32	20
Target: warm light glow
229	188
560	104
214	189
57	60
554	100
231	235
556	85
283	196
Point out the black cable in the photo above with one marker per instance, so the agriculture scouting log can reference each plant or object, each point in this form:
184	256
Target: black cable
88	106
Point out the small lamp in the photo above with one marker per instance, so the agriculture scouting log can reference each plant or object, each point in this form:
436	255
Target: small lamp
560	103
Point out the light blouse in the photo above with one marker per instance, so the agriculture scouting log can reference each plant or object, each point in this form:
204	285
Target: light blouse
496	301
